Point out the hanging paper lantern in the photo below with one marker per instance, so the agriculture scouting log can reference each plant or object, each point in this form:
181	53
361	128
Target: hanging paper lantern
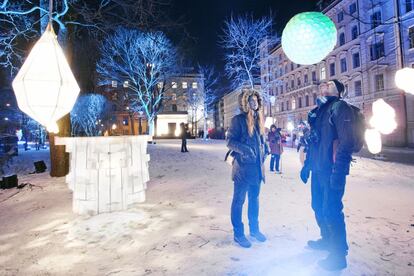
45	87
373	140
308	38
383	118
404	79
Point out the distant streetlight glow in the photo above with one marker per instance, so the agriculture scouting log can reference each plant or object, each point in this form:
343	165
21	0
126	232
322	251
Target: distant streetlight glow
290	126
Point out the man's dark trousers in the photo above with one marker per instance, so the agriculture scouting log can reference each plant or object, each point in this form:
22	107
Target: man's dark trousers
327	205
239	196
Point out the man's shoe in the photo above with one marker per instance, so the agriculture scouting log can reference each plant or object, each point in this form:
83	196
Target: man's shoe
334	262
242	241
258	236
320	244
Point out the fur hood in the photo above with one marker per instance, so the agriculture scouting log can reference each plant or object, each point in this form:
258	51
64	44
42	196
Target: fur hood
244	100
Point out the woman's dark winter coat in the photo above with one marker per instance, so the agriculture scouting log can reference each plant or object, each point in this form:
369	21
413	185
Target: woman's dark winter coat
249	152
275	142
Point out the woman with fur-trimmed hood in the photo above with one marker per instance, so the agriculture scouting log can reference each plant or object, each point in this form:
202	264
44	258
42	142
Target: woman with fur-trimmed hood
246	141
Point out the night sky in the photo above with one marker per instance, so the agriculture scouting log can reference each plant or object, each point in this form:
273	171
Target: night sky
204	20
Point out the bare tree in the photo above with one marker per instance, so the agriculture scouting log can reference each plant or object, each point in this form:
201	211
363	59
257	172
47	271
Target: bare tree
241	41
143	61
210	94
86	116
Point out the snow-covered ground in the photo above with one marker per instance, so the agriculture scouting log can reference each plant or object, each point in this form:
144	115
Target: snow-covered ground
184	228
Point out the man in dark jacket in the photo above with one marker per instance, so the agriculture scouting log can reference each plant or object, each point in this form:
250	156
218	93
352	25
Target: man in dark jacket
183	134
276	148
249	149
329	156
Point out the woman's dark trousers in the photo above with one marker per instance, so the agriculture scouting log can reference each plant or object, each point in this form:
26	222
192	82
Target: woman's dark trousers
275	159
239	196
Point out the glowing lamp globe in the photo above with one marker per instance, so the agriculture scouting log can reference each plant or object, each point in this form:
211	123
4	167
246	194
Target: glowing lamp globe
290	126
309	37
268	122
383	118
45	87
404	79
373	140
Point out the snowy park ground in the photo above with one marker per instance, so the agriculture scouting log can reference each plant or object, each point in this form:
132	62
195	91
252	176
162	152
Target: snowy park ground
184	227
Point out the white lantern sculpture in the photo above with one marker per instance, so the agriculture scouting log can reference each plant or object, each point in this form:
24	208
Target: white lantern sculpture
383	118
404	79
45	87
309	37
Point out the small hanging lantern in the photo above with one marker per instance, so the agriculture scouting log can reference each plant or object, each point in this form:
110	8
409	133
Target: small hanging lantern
45	87
404	79
309	37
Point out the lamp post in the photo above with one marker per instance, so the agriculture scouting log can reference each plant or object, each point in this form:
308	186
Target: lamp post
290	128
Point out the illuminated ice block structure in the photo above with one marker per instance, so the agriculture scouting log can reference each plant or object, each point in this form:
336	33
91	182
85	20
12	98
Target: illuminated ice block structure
106	173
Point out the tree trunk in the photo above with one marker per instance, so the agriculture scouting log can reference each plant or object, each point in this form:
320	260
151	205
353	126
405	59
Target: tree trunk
205	124
44	4
59	159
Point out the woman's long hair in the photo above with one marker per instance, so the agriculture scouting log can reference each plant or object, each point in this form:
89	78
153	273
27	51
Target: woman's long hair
245	107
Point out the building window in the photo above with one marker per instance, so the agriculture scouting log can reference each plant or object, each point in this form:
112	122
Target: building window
286	69
287	86
352	8
298	82
293	104
287	106
282	107
292	84
343	65
354	32
377	50
174	84
313	76
185	85
411	37
341	39
314	98
174	97
332	69
291	66
375	19
379	82
300	102
114	84
160	85
340	16
307	100
409	5
126	84
174	108
355	60
194	85
358	88
125	121
306	79
323	73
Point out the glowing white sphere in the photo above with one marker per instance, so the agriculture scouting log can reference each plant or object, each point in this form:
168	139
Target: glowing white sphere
404	79
373	140
309	37
383	118
268	122
45	87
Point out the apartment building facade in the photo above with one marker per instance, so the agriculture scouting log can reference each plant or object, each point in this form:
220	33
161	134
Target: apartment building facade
365	59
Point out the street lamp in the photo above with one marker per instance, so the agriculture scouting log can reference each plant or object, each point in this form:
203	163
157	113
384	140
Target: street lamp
290	128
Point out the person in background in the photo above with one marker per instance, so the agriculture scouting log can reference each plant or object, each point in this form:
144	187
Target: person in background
276	148
183	134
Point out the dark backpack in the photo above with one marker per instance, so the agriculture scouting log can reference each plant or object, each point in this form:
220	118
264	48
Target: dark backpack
358	127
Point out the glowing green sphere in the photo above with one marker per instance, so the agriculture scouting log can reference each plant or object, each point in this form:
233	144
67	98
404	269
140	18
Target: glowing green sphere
308	38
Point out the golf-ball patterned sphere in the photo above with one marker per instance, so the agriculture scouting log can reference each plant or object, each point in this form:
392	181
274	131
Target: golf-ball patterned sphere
308	38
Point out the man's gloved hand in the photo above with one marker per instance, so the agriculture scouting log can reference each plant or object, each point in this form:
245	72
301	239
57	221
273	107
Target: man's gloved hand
304	174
